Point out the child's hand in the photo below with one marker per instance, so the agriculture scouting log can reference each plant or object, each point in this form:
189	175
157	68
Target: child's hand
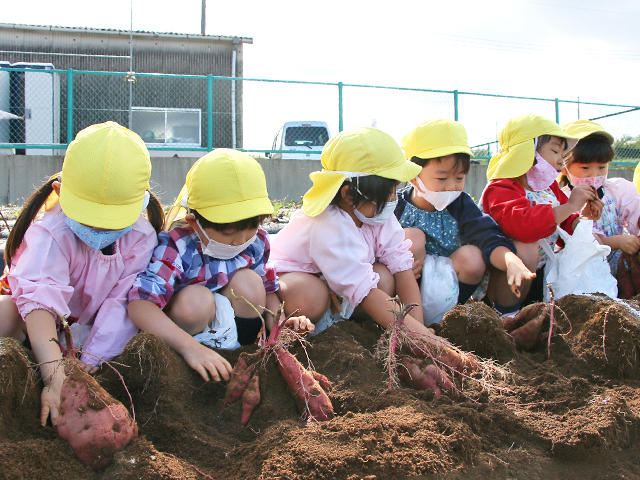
516	272
629	244
301	325
208	362
582	194
592	210
50	398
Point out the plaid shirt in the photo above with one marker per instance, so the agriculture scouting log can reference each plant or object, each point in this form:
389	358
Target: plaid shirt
178	261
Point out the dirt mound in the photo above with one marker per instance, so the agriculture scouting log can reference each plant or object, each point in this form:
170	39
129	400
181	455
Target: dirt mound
573	414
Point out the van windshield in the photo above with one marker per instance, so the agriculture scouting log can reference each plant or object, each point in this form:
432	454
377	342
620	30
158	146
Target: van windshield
306	136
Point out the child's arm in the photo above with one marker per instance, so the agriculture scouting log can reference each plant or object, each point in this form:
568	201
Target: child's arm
629	244
377	305
148	317
41	327
409	292
580	195
504	259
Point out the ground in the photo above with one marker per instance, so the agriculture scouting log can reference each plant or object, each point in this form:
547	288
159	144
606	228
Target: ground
568	409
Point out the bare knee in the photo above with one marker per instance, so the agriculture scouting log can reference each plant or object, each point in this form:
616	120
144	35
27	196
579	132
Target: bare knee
418	241
248	284
304	292
11	323
386	283
192	308
529	253
469	264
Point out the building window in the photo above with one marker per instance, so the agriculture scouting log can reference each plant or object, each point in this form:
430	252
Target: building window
167	126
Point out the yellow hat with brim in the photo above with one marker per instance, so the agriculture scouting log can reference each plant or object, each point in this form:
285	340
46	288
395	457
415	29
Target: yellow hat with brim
583	128
436	138
105	174
353	153
517	143
636	177
226	186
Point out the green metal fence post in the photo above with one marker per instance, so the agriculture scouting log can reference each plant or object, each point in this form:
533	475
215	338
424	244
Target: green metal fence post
340	123
69	105
210	112
455	105
557	111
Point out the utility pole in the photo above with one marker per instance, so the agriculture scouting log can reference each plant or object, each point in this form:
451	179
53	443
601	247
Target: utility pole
203	17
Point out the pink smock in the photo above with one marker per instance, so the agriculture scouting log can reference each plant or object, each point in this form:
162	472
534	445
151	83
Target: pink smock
55	271
332	245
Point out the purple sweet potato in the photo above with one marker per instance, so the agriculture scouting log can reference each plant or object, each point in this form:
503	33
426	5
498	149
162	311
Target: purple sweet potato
94	423
250	399
423	376
311	399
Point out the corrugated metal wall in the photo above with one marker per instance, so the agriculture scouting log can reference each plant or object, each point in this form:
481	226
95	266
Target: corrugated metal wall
101	98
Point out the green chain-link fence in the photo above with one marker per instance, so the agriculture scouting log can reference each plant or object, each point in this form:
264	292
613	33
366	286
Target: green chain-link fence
178	113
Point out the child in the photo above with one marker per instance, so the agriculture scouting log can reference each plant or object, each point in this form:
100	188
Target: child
186	295
524	198
347	236
440	219
588	163
79	260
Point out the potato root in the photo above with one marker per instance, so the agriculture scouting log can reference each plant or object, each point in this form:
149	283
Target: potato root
94	423
311	399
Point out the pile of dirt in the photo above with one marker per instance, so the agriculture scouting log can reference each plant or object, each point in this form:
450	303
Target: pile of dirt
573	414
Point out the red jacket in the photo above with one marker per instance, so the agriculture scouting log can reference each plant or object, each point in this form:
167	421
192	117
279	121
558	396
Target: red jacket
505	200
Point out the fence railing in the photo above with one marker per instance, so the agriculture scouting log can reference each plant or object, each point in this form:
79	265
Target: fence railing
44	108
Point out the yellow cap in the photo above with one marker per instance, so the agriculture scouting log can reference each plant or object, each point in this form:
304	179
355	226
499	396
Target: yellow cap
517	145
584	128
104	176
359	150
226	186
636	177
435	138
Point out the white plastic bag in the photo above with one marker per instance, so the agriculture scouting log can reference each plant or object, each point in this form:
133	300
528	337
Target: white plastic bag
222	333
438	288
580	267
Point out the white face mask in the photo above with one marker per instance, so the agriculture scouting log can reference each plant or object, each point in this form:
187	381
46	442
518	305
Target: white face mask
223	251
379	218
440	200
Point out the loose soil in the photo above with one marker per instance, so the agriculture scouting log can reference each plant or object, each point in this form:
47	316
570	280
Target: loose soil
575	414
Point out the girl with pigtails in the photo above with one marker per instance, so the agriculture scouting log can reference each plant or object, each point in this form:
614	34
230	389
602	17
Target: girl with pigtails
79	259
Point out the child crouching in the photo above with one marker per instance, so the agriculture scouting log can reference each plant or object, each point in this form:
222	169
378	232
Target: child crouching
185	295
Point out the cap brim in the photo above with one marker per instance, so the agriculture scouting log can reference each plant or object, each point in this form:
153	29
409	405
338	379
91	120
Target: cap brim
444	151
97	215
325	186
237	211
513	163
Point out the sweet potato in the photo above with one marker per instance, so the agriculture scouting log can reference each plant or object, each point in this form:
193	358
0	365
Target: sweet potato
457	361
239	380
526	336
94	423
634	272
324	382
311	399
422	376
250	399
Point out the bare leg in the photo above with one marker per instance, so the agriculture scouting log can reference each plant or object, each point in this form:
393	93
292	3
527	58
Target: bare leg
418	241
469	264
499	290
248	284
11	323
192	309
304	292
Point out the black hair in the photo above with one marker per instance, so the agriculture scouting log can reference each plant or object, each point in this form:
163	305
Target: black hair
463	161
32	206
244	224
591	149
543	139
370	188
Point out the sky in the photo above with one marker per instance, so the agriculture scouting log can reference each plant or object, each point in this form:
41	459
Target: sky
567	49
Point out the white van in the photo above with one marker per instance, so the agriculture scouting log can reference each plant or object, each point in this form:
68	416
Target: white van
299	138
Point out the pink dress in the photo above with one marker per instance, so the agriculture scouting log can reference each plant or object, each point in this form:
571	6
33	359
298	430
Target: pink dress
54	271
332	245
